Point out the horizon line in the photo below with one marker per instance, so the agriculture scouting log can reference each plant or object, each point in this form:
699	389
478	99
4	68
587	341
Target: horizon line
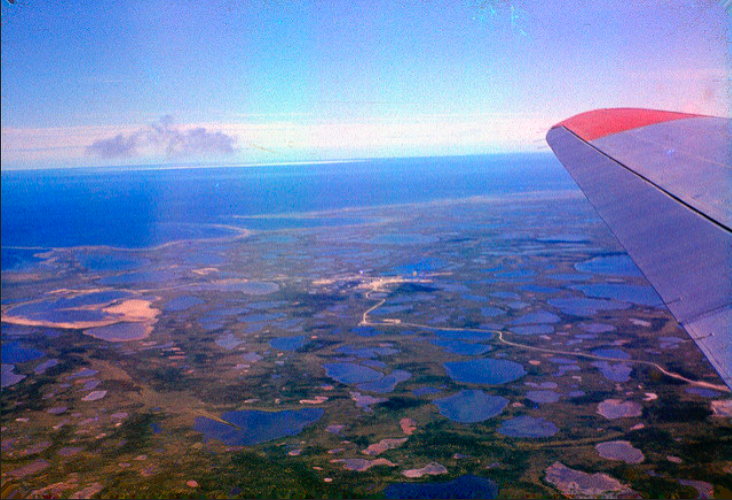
195	166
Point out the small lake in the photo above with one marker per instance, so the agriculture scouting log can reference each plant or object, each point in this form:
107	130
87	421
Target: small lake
14	352
17	259
108	262
489	312
611	352
182	303
532	329
250	427
287	343
351	373
470	406
586	307
485	371
64	310
459	347
543	397
421	266
635	294
613	265
8	376
387	383
536	317
119	332
468	486
619	372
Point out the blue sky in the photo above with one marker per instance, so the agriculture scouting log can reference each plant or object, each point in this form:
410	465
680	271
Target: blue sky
91	83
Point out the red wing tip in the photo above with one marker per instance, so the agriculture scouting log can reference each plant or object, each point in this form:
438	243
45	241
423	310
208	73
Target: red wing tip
601	122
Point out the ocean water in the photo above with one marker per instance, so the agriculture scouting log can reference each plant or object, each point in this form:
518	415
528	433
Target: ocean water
135	208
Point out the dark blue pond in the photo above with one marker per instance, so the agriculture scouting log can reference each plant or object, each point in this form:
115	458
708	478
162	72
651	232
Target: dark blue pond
459	347
618	372
421	266
211	322
700	391
533	329
13	352
119	332
466	334
109	262
539	289
536	317
386	384
250	427
288	343
570	277
485	371
366	331
13	259
468	486
94	298
635	294
489	312
183	303
424	391
351	373
374	363
62	310
470	406
542	397
613	265
527	427
586	307
611	352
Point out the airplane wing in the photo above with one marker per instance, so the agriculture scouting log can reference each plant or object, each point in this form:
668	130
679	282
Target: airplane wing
662	182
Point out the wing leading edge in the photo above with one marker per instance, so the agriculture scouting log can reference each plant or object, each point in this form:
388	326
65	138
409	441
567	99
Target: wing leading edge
663	184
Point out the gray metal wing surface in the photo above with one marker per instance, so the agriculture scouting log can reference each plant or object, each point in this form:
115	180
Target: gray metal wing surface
663	184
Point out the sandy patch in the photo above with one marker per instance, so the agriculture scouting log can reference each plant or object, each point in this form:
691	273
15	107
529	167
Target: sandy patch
615	408
365	401
383	445
205	271
89	491
408	426
361	464
131	311
578	484
94	396
705	489
134	311
722	408
315	401
431	469
620	450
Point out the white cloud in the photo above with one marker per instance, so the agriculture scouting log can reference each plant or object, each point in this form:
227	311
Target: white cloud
440	134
